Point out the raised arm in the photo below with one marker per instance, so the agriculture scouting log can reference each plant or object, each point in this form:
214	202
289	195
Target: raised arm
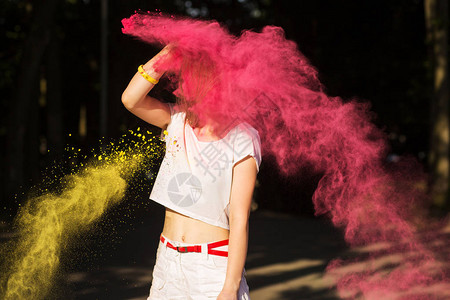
243	184
136	100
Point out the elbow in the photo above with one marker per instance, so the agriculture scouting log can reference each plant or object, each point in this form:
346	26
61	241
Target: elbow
126	101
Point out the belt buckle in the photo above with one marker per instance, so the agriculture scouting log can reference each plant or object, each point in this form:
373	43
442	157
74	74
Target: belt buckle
182	249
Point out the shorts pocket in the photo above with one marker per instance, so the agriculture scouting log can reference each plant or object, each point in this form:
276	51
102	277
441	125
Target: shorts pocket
219	262
210	277
160	270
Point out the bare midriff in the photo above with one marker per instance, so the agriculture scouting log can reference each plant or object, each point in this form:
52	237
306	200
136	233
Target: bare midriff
181	228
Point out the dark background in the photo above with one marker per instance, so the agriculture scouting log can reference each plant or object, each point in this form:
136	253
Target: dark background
51	64
51	91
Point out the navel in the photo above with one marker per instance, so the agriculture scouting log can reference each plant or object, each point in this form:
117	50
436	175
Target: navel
183	238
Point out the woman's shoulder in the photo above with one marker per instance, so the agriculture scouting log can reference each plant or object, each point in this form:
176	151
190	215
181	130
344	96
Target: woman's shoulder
244	129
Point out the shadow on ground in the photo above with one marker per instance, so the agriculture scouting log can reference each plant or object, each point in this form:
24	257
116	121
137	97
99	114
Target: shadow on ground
287	257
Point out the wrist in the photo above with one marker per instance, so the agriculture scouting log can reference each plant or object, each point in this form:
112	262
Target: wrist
148	68
231	285
146	76
152	65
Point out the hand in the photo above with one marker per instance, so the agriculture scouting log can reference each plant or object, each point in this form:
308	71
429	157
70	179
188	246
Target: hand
167	50
169	46
227	295
152	66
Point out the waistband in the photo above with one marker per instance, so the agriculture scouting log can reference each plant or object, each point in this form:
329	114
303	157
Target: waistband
200	248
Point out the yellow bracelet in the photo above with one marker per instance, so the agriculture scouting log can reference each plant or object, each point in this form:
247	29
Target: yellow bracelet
146	76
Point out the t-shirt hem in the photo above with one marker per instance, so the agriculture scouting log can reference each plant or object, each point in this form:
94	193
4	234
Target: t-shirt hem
189	214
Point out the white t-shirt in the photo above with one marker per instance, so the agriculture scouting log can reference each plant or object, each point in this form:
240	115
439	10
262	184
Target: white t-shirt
194	178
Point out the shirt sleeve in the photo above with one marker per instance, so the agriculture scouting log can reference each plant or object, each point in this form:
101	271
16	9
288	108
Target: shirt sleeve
173	109
174	116
247	143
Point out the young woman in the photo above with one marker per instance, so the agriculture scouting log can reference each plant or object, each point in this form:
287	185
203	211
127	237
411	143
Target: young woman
206	183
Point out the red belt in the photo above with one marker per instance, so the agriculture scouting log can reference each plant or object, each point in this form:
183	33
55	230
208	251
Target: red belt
198	248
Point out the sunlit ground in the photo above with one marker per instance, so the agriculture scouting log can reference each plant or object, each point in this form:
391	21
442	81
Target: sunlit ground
286	260
436	242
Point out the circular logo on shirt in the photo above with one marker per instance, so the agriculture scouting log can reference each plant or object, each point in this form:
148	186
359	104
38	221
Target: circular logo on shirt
184	189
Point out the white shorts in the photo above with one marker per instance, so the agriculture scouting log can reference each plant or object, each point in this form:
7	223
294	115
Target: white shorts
190	275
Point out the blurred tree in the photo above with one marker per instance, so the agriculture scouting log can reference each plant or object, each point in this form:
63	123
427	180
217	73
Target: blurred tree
23	134
436	14
50	58
53	139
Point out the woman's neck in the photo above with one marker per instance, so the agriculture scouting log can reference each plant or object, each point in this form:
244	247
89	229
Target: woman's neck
206	131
